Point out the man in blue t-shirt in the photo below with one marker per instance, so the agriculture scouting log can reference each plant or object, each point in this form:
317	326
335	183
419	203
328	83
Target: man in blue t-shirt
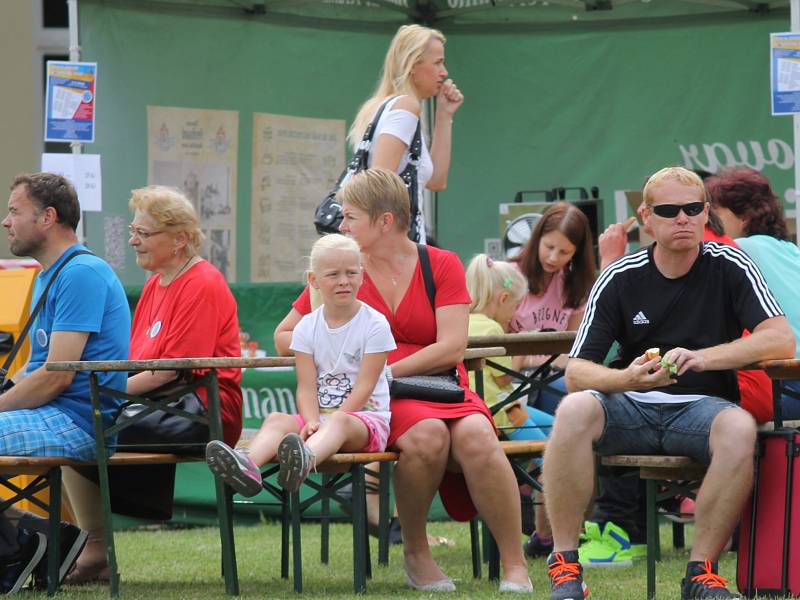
85	316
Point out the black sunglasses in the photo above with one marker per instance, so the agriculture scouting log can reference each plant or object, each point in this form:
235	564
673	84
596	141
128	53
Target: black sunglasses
670	211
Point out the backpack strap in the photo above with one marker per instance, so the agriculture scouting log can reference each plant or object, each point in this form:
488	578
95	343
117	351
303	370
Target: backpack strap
34	313
427	274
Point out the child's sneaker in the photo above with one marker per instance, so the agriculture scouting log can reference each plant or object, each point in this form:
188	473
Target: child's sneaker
234	467
702	581
296	461
611	549
534	547
566	576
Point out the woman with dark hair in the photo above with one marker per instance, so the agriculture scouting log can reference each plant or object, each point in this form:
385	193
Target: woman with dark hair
558	261
753	215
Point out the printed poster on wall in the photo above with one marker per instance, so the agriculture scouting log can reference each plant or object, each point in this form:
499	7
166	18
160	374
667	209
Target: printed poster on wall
69	103
785	73
195	150
296	161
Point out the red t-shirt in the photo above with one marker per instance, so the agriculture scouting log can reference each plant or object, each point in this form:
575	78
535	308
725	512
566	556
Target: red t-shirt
193	317
755	387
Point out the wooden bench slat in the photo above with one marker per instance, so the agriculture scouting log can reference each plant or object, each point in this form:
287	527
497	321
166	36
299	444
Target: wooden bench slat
8	463
645	460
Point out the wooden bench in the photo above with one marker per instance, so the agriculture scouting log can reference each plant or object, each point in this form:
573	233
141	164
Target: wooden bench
339	471
47	473
668	476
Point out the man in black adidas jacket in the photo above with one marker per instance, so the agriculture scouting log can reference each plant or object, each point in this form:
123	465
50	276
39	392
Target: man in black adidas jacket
691	300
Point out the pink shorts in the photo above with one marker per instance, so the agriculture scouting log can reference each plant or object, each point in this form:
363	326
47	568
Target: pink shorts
378	430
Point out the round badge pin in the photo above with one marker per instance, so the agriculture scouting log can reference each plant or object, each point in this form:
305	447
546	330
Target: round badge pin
155	329
41	337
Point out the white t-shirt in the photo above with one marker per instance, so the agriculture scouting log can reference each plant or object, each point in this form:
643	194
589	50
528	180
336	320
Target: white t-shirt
338	353
402	125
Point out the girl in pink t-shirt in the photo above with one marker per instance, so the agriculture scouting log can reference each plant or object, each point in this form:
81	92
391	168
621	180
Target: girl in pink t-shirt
559	262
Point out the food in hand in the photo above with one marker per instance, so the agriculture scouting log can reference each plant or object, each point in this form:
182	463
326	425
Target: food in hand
671	367
652	354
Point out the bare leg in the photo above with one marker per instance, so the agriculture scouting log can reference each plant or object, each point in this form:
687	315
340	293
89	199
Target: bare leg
86	503
493	489
264	446
727	483
569	466
541	522
339	431
424	450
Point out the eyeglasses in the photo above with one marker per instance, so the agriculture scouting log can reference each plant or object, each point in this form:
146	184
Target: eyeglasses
670	211
141	233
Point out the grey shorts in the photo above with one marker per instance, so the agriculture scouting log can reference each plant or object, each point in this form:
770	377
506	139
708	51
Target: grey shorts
641	428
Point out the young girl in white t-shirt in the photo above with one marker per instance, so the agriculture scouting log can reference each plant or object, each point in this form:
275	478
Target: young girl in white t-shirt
342	392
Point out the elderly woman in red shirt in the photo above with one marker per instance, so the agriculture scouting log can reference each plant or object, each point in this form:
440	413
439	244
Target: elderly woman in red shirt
186	310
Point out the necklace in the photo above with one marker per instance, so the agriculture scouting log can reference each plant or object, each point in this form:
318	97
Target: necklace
155	326
385	275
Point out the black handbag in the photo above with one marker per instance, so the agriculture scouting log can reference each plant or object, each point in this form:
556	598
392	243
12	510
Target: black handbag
432	388
442	387
328	215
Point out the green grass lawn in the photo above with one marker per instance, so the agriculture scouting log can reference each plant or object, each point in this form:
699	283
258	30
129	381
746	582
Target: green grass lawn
184	563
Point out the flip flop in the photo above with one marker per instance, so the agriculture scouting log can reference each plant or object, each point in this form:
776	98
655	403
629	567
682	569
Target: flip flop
83	574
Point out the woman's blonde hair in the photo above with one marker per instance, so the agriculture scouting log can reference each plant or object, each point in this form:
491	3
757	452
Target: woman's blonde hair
378	191
485	277
407	47
171	210
332	241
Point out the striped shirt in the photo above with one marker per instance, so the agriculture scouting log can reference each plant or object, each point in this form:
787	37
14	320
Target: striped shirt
633	304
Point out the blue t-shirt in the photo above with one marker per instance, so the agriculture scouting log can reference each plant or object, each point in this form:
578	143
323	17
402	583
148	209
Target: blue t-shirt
779	262
86	296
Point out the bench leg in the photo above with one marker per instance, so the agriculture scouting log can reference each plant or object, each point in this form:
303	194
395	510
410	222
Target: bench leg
475	546
297	554
101	457
652	538
492	555
678	536
285	540
54	529
384	517
225	512
325	522
359	530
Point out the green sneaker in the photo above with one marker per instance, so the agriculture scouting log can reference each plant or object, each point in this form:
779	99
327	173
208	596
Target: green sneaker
591	531
612	549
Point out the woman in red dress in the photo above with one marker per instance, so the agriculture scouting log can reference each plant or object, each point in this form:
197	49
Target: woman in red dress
450	447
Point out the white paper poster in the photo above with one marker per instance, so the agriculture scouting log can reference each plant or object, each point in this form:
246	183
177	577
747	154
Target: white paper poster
295	162
83	172
196	151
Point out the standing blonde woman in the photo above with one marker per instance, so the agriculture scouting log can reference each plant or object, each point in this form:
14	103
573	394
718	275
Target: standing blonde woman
413	71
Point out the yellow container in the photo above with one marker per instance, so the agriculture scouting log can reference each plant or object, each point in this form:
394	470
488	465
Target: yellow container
15	303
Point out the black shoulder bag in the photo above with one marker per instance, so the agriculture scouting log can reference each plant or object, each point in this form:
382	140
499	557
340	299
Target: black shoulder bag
328	215
8	384
443	387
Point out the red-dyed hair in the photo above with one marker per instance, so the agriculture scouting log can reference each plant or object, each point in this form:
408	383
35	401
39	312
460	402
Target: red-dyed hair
569	220
748	195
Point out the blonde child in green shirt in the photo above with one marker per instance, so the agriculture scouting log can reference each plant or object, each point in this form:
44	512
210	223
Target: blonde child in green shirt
497	288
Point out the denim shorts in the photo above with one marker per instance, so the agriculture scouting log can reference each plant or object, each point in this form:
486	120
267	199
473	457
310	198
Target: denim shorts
680	429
